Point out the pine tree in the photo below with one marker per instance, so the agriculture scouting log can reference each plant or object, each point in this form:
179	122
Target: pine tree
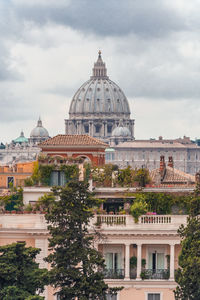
188	275
20	276
77	268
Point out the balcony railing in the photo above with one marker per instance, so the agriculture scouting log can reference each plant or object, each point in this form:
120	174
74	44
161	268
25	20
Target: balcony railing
155	219
145	221
114	273
111	220
133	273
155	274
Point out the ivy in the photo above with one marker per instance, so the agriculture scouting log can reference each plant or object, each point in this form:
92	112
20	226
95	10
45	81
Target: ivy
45	174
71	172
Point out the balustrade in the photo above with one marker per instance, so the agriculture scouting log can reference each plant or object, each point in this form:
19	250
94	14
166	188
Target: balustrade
111	220
155	219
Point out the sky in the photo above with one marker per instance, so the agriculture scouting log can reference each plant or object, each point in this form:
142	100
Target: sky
151	50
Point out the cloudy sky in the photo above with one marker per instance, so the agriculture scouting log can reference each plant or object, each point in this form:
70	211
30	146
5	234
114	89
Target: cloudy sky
151	49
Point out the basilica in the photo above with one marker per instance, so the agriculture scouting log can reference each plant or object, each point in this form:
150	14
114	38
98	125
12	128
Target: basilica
100	108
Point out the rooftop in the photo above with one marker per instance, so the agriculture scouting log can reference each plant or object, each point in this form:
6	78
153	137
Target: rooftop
73	140
173	176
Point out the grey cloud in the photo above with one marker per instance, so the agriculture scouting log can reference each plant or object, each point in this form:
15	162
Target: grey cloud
13	108
107	18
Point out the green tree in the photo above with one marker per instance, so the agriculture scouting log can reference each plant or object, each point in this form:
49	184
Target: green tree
139	207
188	275
76	267
20	276
142	176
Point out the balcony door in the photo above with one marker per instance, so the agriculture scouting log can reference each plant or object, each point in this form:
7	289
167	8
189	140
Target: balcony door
156	261
113	261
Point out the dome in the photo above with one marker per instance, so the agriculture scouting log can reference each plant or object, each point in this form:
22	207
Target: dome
99	95
121	132
39	131
21	139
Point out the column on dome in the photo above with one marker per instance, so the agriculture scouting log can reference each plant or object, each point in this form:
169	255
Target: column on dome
77	127
105	128
91	128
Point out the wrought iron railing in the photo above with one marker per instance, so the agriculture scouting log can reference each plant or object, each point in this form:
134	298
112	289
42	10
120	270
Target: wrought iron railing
114	273
155	274
133	273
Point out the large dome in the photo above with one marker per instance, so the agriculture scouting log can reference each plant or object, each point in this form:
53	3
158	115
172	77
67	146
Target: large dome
98	107
99	95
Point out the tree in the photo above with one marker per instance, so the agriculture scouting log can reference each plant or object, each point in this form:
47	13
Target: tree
76	267
20	276
188	275
139	207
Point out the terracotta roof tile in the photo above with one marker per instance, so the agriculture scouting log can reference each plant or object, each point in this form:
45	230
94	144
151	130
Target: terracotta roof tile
73	140
172	176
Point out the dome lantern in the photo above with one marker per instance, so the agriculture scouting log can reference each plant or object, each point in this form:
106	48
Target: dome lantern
99	70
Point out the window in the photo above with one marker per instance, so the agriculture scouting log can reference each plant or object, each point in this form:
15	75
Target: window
156	261
57	178
86	128
10	182
109	128
113	261
97	127
153	296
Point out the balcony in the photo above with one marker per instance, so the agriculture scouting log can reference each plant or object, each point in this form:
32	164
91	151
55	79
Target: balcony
155	274
114	273
146	222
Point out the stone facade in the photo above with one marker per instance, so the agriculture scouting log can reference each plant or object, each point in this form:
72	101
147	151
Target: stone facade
147	153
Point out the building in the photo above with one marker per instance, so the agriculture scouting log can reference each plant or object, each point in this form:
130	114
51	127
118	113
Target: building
15	175
153	241
147	153
99	106
23	149
74	147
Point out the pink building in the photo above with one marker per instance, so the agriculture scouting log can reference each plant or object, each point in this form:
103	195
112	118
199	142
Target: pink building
153	242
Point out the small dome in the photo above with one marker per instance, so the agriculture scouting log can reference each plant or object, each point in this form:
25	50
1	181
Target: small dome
21	139
121	132
39	131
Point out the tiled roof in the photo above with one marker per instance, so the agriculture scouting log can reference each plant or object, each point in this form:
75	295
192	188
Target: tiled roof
73	140
172	176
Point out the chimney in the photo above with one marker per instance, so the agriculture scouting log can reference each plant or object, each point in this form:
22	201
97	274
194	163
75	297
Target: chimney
197	178
162	163
162	168
170	162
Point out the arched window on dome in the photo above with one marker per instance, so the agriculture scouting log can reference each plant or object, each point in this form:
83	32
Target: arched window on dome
109	128
97	128
86	128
